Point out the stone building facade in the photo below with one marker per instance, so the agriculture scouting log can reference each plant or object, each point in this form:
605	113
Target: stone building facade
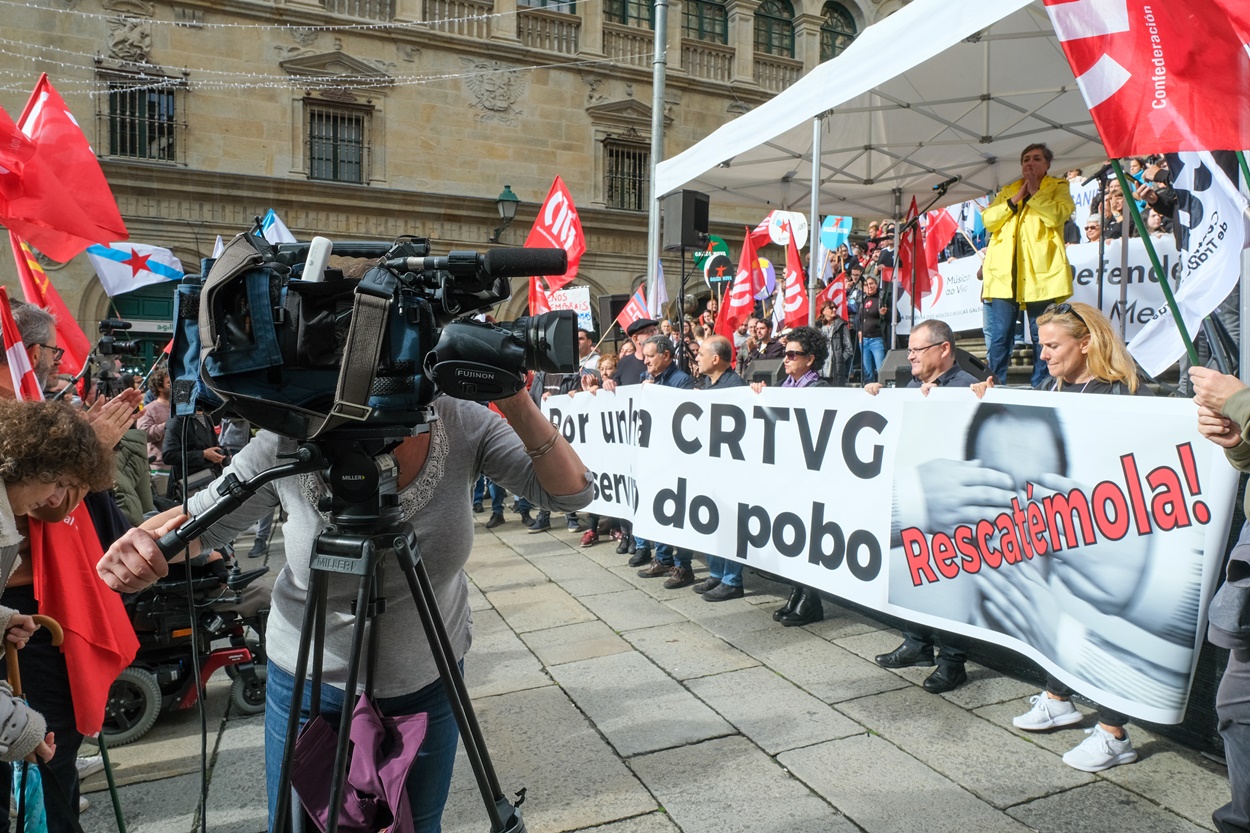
367	119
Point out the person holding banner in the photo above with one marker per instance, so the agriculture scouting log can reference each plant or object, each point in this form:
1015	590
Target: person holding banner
1026	265
1224	418
805	350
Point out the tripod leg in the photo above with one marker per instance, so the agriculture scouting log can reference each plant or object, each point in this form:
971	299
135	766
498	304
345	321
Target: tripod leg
314	602
503	815
364	599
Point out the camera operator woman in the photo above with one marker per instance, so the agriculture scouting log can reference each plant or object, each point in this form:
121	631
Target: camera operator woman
47	450
522	452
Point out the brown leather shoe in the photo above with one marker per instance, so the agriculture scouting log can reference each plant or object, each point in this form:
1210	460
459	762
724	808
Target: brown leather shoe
679	577
654	570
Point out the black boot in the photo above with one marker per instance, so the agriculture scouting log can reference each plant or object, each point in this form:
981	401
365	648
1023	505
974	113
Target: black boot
808	609
796	590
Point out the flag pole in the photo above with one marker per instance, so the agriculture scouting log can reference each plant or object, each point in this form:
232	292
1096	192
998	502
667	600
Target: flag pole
1245	169
1144	234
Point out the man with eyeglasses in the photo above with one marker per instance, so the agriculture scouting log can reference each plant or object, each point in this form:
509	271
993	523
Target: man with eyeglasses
931	351
1026	264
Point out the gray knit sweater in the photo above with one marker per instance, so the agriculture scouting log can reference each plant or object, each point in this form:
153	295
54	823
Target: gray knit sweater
466	439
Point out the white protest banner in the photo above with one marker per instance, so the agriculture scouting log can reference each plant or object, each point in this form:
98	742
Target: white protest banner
956	299
1092	544
576	298
1083	198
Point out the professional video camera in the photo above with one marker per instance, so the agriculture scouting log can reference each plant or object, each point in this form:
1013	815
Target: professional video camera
293	345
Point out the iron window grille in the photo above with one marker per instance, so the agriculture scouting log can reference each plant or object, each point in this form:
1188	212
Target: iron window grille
338	144
142	116
627	174
837	30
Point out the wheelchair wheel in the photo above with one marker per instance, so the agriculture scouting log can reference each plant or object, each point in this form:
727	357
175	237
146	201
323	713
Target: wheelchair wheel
134	703
248	695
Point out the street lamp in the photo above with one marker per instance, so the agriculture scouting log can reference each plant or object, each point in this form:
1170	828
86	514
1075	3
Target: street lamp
506	205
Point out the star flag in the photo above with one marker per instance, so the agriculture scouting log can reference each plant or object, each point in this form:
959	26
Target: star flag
124	267
40	292
25	385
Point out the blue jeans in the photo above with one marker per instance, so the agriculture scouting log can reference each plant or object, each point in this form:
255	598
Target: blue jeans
874	355
430	777
727	570
671	556
1000	333
496	494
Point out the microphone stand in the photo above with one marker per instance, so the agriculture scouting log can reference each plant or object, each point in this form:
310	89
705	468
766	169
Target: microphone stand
915	265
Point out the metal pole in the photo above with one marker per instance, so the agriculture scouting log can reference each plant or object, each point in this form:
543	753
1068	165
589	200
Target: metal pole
898	212
1125	224
659	67
813	225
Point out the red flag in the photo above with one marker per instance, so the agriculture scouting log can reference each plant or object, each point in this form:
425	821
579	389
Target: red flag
99	639
911	251
25	384
635	310
760	235
63	202
835	293
539	303
40	292
557	226
740	300
794	297
1160	77
939	232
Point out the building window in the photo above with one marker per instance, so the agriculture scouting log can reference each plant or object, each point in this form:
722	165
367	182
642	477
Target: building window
627	170
143	117
774	28
837	30
563	6
370	9
705	20
338	144
640	13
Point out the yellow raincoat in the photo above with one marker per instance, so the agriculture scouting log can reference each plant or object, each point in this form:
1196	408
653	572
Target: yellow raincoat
1035	232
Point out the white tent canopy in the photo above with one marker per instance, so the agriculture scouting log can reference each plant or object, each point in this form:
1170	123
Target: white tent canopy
941	88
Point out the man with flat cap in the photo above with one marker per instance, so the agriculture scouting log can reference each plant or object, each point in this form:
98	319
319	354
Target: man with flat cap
631	370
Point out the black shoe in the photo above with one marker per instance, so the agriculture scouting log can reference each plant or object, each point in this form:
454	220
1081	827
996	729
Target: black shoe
705	585
906	656
477	509
946	678
540	524
496	519
640	557
788	608
526	518
633	545
721	592
259	547
622	546
807	610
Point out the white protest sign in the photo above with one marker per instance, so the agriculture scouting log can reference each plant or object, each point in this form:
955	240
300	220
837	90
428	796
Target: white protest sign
576	298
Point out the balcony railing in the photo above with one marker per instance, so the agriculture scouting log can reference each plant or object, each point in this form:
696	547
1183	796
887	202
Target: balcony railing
628	44
775	73
369	9
702	59
549	31
470	18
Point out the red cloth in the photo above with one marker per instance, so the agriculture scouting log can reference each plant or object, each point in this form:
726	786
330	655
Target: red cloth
558	226
24	381
835	293
59	200
1160	77
40	291
740	300
911	251
635	310
794	296
99	639
539	303
939	232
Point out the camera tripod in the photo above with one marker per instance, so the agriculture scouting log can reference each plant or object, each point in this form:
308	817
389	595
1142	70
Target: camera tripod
365	530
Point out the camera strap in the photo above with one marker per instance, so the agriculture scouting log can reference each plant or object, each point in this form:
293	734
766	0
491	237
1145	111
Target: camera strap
360	361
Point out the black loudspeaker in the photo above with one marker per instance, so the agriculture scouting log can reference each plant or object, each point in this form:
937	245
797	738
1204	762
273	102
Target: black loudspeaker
610	306
896	370
768	371
685	220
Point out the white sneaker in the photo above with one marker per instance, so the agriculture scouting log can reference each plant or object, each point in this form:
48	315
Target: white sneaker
1047	713
89	765
83	804
1101	750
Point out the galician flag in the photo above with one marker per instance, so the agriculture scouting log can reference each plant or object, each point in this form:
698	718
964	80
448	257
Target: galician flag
275	231
24	382
124	267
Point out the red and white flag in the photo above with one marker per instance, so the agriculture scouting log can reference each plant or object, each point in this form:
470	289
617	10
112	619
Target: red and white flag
911	259
635	310
794	295
557	226
25	385
1160	77
52	191
40	292
740	300
835	293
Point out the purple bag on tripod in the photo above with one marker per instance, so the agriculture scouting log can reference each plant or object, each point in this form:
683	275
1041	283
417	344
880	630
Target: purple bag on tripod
381	754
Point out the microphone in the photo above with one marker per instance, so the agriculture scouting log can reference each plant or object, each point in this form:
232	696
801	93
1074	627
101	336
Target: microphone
942	186
496	263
